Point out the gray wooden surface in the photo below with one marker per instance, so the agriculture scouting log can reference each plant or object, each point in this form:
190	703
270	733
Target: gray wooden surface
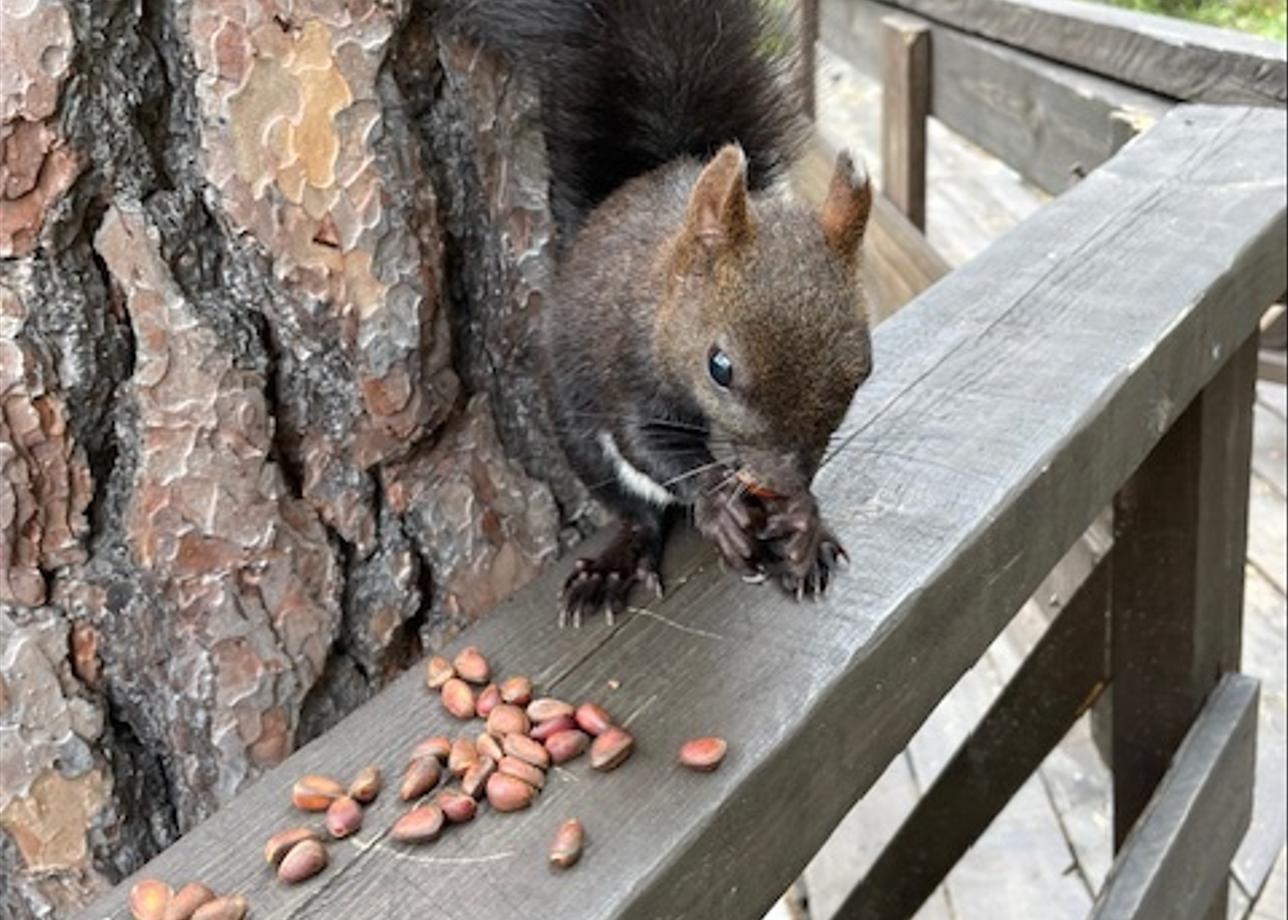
905	107
962	482
1180	544
1173	861
1167	55
972	198
1051	123
1051	688
1057	832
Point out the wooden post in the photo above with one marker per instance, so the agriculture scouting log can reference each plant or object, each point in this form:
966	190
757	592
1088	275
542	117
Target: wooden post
1180	528
1060	678
905	67
1177	858
808	55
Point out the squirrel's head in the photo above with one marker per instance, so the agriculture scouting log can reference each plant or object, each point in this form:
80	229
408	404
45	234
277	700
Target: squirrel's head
764	320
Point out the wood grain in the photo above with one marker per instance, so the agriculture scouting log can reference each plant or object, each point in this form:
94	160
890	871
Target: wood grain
1009	404
1265	623
1054	685
1270	449
1180	541
858	840
1272	904
1175	860
905	105
1163	54
1052	123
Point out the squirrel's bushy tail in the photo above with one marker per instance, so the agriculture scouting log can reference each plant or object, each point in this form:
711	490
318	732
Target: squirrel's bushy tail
629	85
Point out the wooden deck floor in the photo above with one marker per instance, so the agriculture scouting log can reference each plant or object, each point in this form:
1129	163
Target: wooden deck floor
1048	852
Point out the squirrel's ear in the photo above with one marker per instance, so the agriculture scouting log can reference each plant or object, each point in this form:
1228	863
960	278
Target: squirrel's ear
718	213
846	208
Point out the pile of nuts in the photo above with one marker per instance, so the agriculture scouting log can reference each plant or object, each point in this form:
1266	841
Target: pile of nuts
299	853
154	900
506	764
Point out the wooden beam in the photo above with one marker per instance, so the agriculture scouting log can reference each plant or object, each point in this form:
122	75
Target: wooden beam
1162	54
1180	543
905	84
1179	547
1049	122
1176	860
1057	682
1005	411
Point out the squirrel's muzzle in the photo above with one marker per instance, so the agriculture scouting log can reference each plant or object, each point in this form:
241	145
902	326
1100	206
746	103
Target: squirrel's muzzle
769	474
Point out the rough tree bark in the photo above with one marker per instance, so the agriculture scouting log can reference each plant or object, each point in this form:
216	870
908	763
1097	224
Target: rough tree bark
269	427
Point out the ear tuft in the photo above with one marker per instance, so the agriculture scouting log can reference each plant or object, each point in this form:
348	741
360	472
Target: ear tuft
718	212
846	208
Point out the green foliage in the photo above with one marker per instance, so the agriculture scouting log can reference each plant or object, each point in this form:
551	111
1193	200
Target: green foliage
1263	17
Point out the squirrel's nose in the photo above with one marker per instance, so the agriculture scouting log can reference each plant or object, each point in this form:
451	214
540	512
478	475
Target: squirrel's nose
772	473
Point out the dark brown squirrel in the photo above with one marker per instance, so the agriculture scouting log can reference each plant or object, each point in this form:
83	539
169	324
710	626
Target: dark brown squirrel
706	332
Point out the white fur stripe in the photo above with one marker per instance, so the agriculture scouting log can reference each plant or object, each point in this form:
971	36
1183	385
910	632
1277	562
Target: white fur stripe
632	479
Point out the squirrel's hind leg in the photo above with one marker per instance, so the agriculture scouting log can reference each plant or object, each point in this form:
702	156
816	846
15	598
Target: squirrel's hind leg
604	582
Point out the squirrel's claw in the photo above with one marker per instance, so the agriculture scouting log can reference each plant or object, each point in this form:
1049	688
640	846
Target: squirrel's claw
604	582
729	524
804	553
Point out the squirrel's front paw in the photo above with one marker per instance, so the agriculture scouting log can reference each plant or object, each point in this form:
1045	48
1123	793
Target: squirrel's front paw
604	582
803	551
729	521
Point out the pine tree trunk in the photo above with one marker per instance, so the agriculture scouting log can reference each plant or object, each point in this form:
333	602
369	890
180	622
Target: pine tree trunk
269	421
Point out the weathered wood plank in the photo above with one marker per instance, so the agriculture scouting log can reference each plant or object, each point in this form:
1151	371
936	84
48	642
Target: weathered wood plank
1024	843
1057	682
858	840
1270	449
1175	861
1009	405
1273	901
1180	538
1265	640
1051	123
1017	869
1238	904
905	81
1268	532
1021	868
1167	55
1081	788
972	198
852	30
1273	396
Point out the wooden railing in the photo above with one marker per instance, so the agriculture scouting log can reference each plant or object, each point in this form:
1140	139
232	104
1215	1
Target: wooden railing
1053	88
1101	349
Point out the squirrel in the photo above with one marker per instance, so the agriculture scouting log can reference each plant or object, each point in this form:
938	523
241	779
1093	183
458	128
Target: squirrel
706	332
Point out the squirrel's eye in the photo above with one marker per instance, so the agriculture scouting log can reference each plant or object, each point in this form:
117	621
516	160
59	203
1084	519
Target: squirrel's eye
720	367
